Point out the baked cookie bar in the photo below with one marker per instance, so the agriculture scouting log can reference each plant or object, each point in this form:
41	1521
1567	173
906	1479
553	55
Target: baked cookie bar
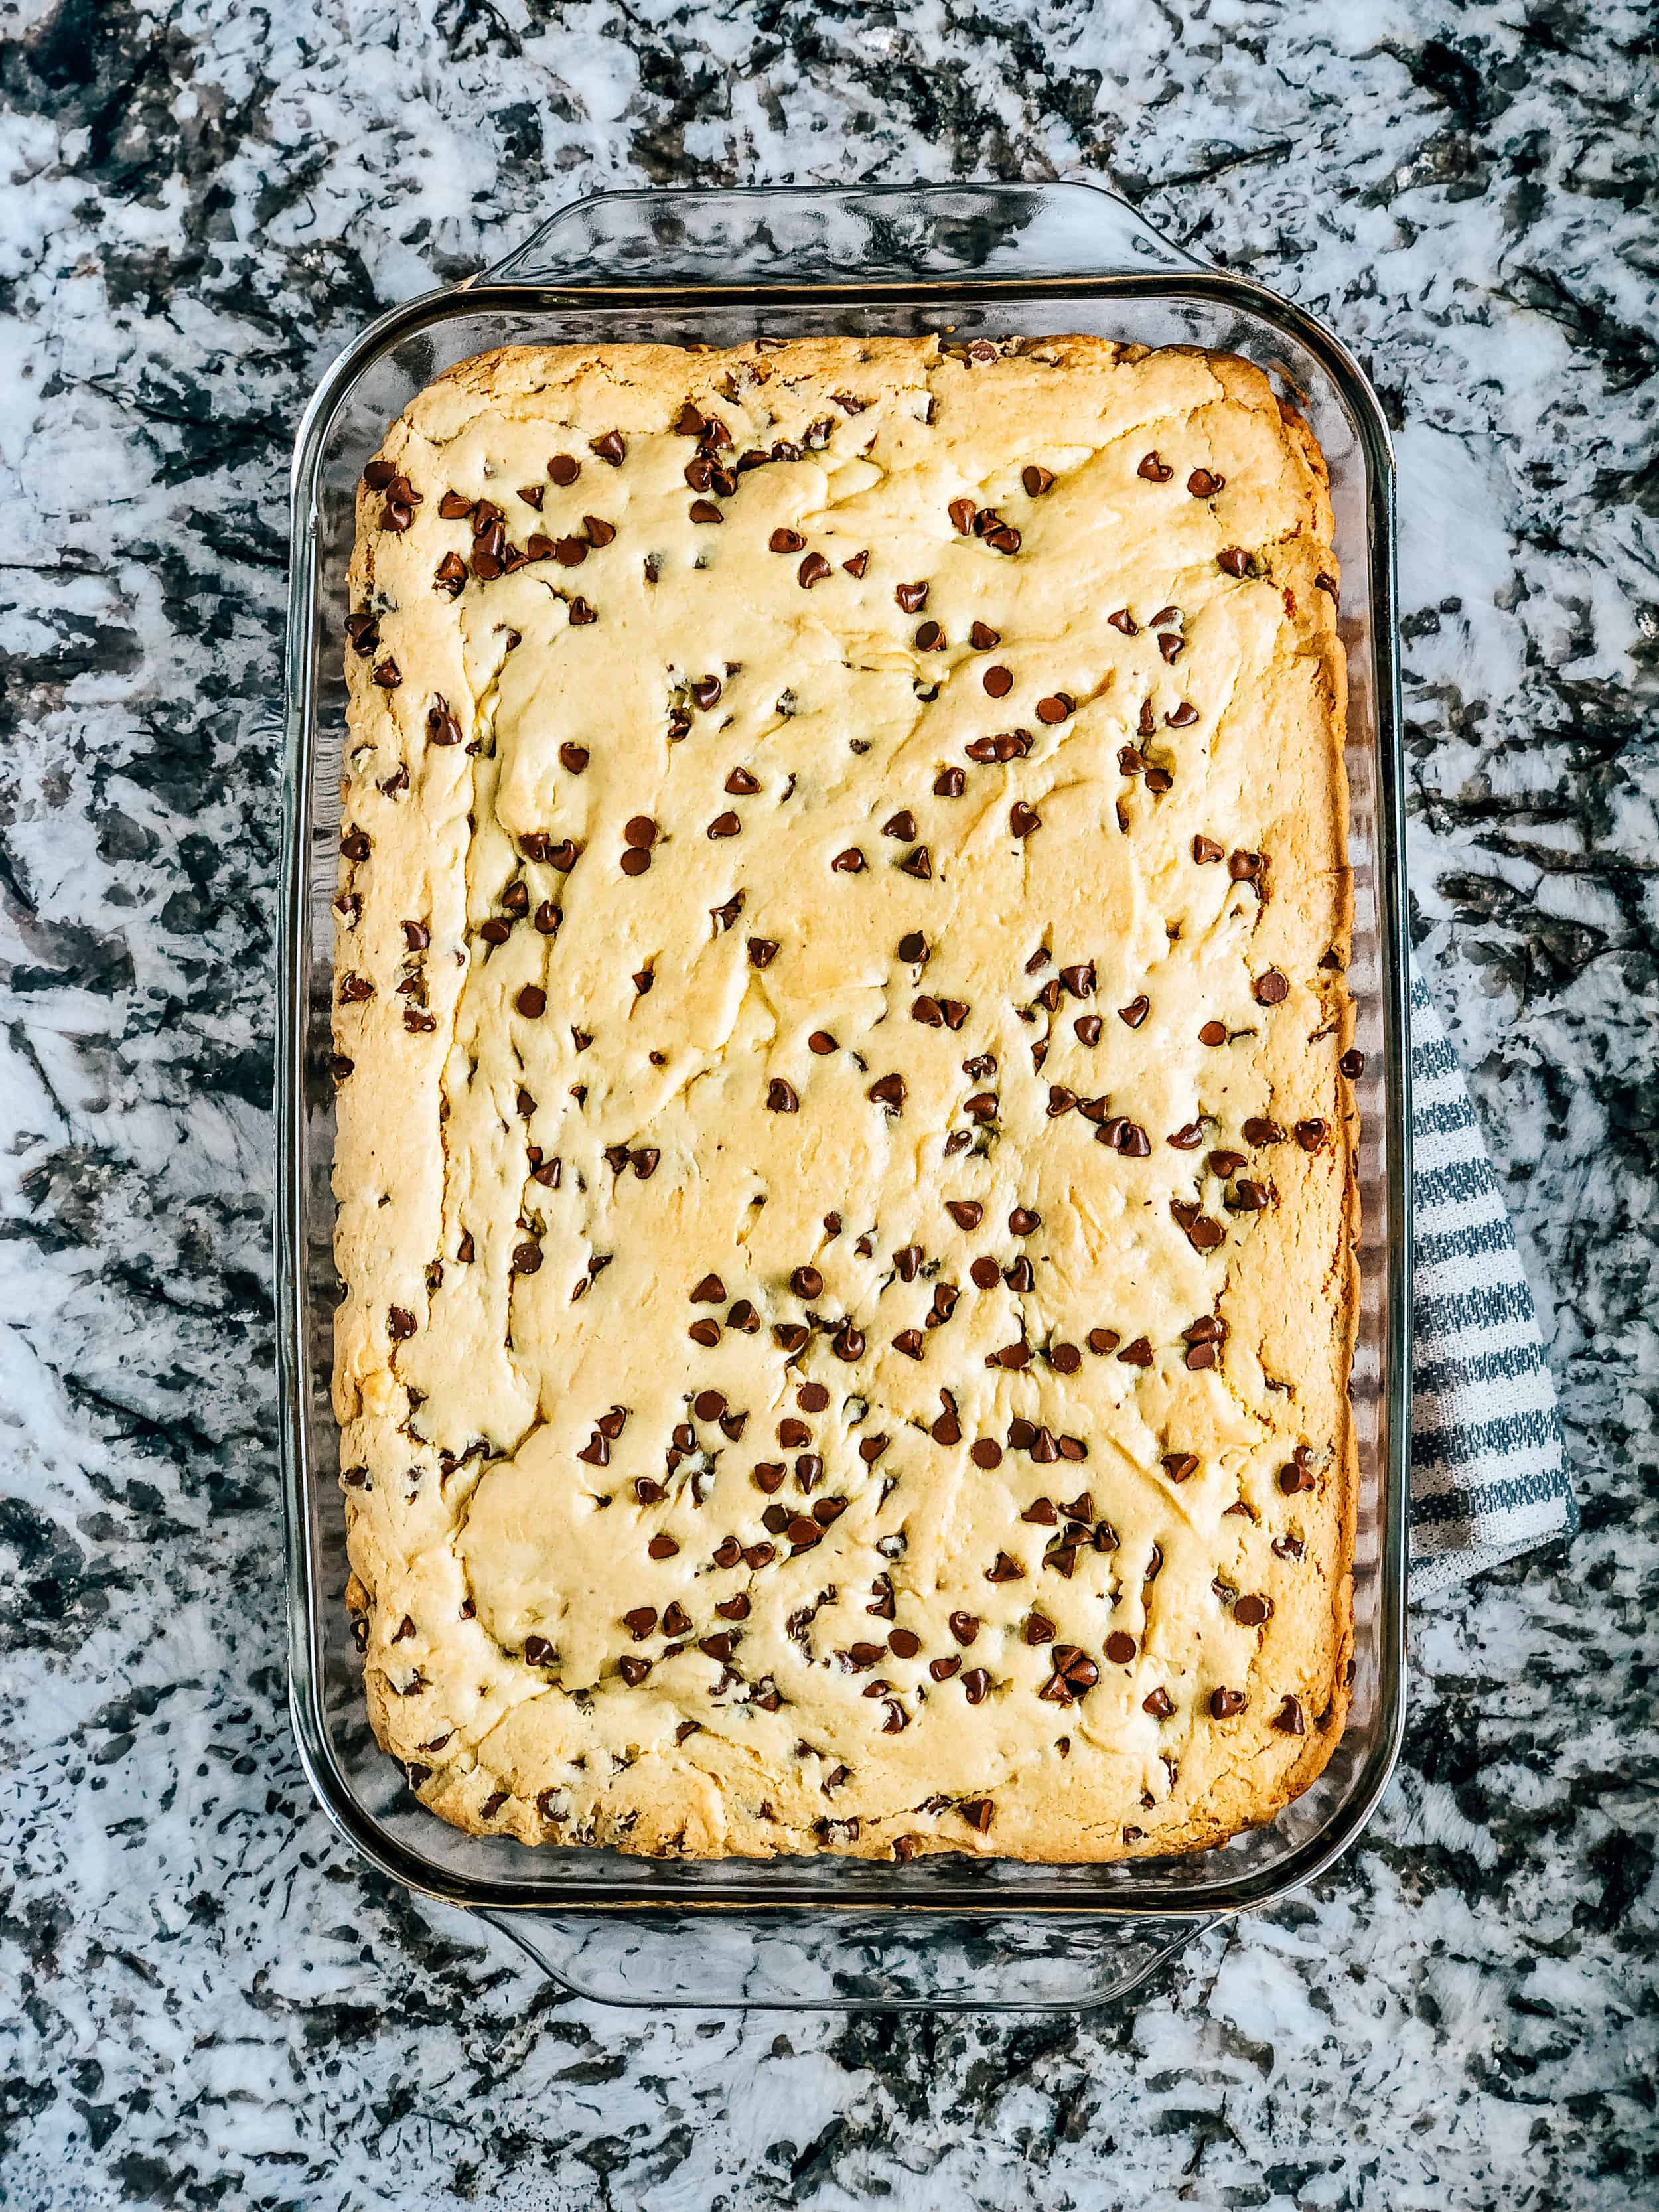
845	1151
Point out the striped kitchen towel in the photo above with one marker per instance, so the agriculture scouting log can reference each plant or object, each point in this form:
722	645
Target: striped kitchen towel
1489	1475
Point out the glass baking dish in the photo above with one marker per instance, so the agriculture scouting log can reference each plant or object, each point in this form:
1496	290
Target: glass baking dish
718	267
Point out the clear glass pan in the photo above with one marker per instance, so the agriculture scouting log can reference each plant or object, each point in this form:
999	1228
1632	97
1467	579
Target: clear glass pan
718	267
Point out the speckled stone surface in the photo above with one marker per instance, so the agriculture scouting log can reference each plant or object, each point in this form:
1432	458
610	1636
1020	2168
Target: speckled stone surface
206	2002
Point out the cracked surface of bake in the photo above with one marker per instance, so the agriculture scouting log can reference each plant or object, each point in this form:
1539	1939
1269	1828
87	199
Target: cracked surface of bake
845	1181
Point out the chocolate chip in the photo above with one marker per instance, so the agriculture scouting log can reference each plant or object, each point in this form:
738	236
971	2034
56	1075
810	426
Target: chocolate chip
378	473
449	576
848	1344
1324	582
888	1090
704	510
1233	560
998	682
1213	1033
1288	1719
902	824
1159	1703
1311	1135
531	1002
1225	1703
1251	1612
724	825
1135	1013
962	512
1204	483
1024	819
763	952
966	1213
1035	479
1183	716
526	1259
1353	1064
741	784
1138	1354
911	597
581	614
930	638
849	863
1270	989
1245	867
912	947
812	570
859	562
781	1096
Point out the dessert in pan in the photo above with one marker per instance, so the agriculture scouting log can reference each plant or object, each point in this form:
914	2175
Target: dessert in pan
845	1152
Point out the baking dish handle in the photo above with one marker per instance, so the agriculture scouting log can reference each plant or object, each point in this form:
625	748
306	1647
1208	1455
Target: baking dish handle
868	233
846	1961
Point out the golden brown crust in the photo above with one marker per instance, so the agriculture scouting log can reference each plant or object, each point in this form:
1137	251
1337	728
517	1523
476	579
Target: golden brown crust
507	1000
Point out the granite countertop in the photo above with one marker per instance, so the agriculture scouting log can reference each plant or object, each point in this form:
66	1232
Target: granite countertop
208	2001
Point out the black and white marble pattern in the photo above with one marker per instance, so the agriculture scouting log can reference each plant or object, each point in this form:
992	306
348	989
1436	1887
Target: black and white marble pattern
207	2001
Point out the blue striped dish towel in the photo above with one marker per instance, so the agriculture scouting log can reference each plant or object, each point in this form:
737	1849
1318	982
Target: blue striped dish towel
1489	1475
